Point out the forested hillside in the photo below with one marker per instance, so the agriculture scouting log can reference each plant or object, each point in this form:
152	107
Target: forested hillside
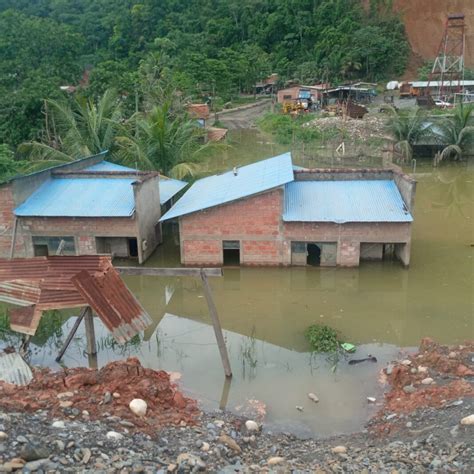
219	47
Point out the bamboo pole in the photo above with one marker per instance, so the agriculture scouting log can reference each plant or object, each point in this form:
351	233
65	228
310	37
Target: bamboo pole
71	334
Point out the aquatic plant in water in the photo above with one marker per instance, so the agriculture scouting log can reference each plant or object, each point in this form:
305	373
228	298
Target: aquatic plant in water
322	338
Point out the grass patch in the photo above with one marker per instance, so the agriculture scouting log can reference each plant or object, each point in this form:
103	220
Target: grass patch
322	338
287	129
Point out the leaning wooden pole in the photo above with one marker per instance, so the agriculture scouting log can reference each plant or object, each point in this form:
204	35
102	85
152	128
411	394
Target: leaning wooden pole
216	324
71	334
90	332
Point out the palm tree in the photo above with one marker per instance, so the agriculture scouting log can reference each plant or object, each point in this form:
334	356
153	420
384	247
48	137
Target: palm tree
407	128
456	133
162	140
76	128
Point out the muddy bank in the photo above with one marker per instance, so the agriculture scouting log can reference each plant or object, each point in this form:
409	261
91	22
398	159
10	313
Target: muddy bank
417	429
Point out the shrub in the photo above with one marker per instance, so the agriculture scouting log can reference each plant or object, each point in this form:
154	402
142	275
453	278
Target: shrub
322	338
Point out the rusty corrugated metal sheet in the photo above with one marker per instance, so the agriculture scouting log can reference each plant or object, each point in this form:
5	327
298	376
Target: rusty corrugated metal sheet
44	283
108	295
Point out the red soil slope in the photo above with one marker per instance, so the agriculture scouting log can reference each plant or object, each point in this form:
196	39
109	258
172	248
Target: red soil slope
425	20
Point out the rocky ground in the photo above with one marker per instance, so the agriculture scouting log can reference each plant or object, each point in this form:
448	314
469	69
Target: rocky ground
417	429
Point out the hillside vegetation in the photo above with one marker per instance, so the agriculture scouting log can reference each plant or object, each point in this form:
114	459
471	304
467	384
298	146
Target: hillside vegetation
204	47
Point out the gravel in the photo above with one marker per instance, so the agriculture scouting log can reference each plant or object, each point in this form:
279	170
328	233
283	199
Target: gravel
430	439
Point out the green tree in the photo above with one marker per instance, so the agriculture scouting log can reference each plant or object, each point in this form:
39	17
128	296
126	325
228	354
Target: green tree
8	166
456	132
162	140
76	128
407	127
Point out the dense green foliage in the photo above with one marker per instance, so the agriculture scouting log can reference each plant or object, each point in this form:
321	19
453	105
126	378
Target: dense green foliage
205	47
322	338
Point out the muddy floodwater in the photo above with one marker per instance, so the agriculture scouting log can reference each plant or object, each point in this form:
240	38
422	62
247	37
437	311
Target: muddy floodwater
381	307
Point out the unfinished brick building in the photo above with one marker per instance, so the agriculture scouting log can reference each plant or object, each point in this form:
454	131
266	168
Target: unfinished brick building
269	213
86	207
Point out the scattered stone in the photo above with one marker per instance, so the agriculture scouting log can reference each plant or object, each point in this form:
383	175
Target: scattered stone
251	425
422	369
33	453
371	399
116	395
313	397
230	443
172	467
35	465
186	459
409	389
427	381
3	436
468	420
11	466
114	436
65	404
339	450
59	424
406	362
205	446
452	355
299	408
391	416
65	395
413	370
219	423
138	406
107	398
409	424
275	460
87	455
21	439
389	369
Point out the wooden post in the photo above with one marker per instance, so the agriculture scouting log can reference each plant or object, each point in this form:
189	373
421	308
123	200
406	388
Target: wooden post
216	324
225	393
71	334
90	332
12	248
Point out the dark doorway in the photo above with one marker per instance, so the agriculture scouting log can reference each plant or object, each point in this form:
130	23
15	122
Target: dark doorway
314	255
231	252
132	248
40	250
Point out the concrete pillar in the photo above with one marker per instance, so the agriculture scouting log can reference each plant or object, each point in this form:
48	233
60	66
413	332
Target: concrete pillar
402	252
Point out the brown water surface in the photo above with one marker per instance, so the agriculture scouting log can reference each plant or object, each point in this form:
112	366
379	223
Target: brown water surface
381	307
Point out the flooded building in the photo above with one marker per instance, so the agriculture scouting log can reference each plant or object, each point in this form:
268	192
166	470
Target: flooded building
269	213
89	206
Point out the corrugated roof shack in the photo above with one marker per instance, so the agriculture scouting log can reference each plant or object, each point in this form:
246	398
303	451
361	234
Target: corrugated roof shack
268	214
87	207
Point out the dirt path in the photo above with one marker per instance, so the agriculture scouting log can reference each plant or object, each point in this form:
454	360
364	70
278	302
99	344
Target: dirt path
245	116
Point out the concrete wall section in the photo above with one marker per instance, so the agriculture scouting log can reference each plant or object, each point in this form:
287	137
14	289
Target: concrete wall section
148	213
85	231
407	188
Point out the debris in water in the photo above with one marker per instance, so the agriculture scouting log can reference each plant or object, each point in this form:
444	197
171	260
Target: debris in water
313	397
369	358
299	408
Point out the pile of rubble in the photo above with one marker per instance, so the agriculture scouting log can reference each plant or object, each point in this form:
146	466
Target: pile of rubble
94	394
371	126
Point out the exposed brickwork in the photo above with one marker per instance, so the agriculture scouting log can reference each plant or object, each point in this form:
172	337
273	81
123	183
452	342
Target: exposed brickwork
7	222
83	229
255	222
265	240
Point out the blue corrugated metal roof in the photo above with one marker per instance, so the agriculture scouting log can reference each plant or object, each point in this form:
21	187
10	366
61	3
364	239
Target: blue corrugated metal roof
223	188
344	201
108	166
91	197
170	187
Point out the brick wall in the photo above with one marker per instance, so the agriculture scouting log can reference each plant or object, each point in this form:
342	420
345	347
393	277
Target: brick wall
85	230
348	236
254	221
7	223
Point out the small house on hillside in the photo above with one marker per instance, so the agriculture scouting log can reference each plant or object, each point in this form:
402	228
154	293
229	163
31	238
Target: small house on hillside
201	113
89	206
269	213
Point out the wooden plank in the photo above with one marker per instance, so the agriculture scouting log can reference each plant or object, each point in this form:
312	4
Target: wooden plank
170	272
71	334
90	332
216	325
